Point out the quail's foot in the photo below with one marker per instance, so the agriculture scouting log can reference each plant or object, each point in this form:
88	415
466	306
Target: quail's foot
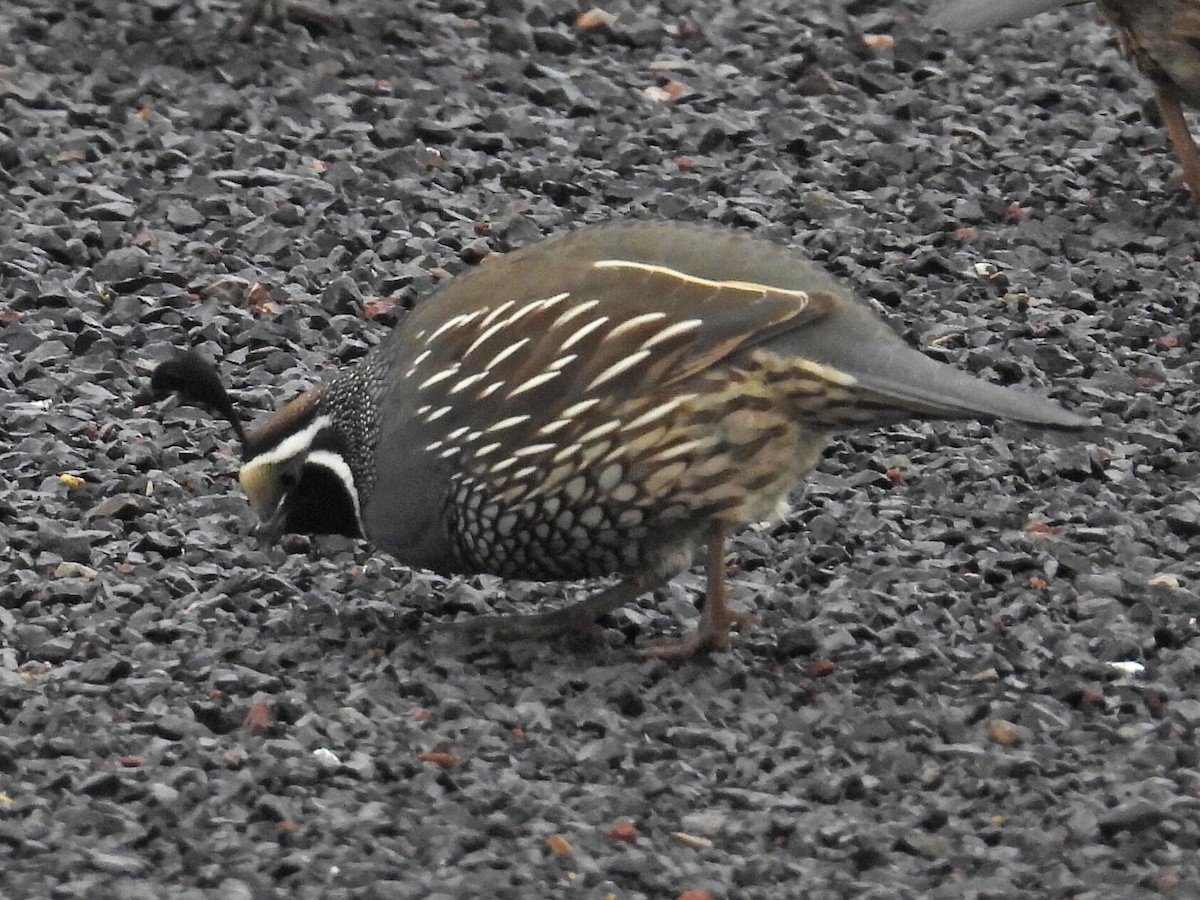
716	618
712	634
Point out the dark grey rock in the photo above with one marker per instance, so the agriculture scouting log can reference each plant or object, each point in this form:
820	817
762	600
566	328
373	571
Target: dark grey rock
121	264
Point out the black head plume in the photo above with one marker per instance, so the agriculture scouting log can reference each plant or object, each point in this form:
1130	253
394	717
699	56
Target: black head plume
197	382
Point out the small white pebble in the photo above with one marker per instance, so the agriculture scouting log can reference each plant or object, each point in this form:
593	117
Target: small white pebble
327	757
1129	667
1166	579
692	840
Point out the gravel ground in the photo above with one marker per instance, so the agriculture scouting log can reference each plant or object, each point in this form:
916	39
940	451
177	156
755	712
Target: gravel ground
929	706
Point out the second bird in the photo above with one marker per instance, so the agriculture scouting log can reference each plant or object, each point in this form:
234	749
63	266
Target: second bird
1160	37
603	403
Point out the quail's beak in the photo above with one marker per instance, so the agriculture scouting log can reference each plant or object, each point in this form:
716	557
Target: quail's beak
272	526
259	481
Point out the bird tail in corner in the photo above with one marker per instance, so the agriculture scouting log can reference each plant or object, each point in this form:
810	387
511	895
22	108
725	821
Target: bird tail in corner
963	16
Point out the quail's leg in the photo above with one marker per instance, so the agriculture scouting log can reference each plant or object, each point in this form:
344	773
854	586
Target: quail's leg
579	617
1181	138
716	618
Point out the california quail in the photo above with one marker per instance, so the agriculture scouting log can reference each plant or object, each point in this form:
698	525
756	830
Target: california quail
600	403
1160	37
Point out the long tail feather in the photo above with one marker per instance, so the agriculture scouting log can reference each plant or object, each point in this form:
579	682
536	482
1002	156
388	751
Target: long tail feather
197	382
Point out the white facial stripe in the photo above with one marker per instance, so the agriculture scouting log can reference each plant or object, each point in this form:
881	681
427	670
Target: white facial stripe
327	459
291	446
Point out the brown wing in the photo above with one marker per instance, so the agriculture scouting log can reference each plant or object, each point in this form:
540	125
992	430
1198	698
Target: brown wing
545	381
643	376
553	330
606	314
